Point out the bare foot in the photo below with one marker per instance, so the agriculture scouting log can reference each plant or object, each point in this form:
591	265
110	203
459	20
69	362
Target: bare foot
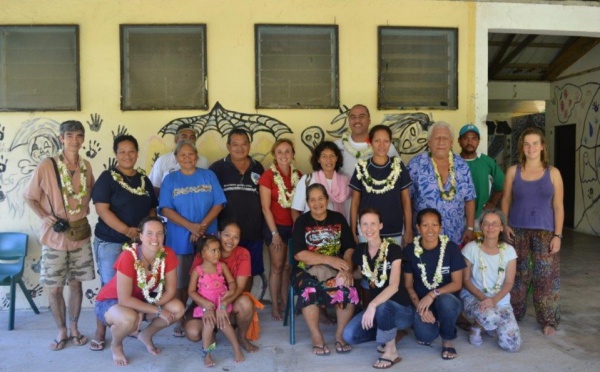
549	331
238	355
147	341
276	315
247	345
208	361
118	355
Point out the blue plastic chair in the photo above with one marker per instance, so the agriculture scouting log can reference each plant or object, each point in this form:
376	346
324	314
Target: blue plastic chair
290	309
13	250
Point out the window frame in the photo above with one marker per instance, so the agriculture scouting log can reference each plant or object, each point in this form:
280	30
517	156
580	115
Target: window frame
122	30
77	91
381	105
335	56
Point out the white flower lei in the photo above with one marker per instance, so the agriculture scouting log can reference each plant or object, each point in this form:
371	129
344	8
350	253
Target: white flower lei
67	187
364	154
451	174
437	276
137	191
285	197
143	284
363	174
381	265
501	273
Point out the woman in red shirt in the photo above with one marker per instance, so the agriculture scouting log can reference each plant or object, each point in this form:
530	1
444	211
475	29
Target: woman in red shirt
277	185
143	288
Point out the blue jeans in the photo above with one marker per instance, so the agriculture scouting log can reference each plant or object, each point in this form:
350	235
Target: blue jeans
389	317
446	309
106	255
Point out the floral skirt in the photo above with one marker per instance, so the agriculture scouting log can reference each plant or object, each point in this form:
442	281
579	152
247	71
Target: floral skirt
325	293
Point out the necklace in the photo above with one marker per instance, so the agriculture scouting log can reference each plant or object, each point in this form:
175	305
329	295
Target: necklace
358	154
67	187
381	265
483	268
285	196
156	277
437	276
362	173
134	190
317	222
451	174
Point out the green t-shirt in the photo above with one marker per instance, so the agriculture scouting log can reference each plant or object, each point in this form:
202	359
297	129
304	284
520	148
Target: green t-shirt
484	171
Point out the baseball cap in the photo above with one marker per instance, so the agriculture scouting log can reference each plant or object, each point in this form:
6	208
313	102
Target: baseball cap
468	128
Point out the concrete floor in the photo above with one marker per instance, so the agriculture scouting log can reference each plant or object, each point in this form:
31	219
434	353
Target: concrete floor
576	347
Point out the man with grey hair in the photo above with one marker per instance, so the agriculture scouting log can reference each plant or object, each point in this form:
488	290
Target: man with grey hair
59	194
442	180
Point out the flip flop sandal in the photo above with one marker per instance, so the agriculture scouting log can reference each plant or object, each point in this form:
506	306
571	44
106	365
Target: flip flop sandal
59	344
449	350
97	345
78	340
322	348
392	362
340	348
422	343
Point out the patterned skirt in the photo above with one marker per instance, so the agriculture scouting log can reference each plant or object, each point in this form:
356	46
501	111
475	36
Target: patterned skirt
325	293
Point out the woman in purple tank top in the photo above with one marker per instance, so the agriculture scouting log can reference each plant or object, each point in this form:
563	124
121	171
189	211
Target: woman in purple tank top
533	202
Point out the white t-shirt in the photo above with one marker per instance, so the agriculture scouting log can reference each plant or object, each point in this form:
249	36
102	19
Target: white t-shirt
471	253
350	160
166	164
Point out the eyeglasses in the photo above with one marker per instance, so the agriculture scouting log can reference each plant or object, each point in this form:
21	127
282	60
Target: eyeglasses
494	225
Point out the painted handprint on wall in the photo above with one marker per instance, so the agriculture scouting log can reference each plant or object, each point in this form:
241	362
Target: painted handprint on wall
95	123
92	149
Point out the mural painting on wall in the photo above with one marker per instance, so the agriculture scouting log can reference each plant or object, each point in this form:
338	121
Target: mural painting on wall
222	121
409	131
569	100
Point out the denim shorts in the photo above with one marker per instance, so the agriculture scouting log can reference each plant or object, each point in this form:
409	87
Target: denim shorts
102	307
106	254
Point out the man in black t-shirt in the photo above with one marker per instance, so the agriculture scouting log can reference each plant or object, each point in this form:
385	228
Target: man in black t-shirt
238	175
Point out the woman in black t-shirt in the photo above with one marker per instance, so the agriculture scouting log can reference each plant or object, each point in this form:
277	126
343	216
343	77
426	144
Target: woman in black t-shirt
390	309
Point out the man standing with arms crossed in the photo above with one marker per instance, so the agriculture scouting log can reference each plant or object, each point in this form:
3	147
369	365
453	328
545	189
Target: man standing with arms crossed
484	171
62	203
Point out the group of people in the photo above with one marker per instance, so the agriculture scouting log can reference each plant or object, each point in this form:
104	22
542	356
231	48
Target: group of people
378	240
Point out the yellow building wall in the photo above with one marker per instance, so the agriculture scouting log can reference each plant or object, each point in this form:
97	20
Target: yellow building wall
231	80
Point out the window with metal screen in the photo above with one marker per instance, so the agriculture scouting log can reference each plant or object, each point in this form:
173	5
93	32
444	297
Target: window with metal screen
163	67
418	68
296	66
39	68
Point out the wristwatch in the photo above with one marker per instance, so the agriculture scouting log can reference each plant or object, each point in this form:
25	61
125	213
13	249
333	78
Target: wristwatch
275	232
437	292
560	236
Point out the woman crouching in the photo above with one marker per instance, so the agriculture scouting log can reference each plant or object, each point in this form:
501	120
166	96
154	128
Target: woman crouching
488	280
144	287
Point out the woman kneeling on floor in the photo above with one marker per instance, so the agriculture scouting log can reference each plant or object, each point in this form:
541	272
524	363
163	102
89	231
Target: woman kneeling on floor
144	287
488	280
390	309
433	272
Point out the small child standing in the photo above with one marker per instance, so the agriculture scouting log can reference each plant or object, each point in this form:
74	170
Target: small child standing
208	286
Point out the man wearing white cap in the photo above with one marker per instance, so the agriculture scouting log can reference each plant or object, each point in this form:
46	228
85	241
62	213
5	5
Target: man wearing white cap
167	162
487	175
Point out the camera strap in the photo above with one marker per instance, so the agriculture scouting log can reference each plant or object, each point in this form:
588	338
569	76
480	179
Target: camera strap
59	188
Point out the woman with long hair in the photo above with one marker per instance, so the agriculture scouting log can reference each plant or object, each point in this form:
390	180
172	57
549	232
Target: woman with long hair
533	202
